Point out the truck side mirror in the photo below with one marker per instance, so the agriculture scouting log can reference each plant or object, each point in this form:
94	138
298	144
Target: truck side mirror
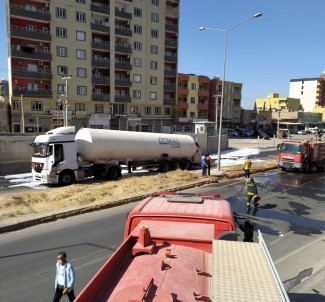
278	147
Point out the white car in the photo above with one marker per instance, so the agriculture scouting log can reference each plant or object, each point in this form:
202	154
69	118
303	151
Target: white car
303	132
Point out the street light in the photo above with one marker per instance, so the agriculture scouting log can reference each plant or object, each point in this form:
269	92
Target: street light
66	78
224	77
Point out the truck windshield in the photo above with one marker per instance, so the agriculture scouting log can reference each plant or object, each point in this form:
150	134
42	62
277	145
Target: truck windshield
40	149
291	148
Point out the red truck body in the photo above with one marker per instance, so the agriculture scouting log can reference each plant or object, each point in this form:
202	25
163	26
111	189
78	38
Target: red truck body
174	258
303	156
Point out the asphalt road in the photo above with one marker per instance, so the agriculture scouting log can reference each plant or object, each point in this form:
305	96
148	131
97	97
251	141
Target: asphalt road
291	218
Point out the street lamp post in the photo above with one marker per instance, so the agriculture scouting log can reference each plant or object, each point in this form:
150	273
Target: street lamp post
22	128
66	78
224	78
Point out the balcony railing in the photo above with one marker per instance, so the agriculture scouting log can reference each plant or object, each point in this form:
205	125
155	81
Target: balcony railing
203	106
182	90
103	45
169	26
38	14
21	52
122	13
170	72
122	98
99	79
123	31
171	58
170	87
41	93
123	82
100	62
123	47
171	11
203	92
182	105
100	97
169	101
123	65
41	74
36	34
99	8
171	42
100	26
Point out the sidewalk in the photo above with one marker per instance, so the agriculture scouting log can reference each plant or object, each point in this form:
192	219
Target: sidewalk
253	143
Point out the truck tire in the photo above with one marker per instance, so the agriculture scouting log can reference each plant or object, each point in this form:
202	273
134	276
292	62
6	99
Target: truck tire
164	166
175	164
66	178
113	173
185	164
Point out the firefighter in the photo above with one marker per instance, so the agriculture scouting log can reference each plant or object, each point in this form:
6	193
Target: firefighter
247	167
319	134
251	190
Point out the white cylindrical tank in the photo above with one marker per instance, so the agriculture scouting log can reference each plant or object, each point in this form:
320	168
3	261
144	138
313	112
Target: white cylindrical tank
98	145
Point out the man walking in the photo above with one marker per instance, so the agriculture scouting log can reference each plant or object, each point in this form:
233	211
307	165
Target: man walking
251	189
64	278
247	167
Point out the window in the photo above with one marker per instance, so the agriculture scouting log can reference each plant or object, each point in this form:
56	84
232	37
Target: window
154	17
153	95
138	29
137	62
153	65
61	51
80	17
81	72
80	107
80	35
99	108
192	114
134	109
81	90
155	2
16	105
154	33
192	100
37	106
31	28
157	111
61	32
193	86
147	110
137	46
137	78
138	12
81	54
62	70
81	1
153	80
167	111
154	49
137	94
61	88
61	13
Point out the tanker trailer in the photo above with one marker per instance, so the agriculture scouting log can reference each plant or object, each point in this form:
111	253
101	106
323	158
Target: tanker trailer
102	153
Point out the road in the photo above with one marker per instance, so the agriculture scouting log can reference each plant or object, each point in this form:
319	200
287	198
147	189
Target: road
291	218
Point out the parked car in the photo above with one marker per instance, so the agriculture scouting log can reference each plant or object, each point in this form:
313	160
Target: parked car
232	133
302	132
263	135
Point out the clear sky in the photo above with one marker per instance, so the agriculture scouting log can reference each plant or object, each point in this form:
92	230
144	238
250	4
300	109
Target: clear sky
264	54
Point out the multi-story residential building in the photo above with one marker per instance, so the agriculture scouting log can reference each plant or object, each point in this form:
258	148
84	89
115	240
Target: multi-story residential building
310	92
231	101
101	63
274	102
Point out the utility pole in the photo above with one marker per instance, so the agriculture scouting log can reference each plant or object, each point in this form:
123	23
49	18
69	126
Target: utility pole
66	78
22	125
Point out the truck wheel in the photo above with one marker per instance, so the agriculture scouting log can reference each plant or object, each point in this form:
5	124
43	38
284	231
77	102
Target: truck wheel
307	168
175	165
164	166
113	173
185	164
283	169
66	178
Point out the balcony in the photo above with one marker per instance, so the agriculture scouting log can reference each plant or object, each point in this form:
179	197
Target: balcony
40	93
40	74
203	80
171	58
38	14
122	13
171	12
100	26
169	101
183	77
203	92
101	80
38	35
170	87
123	31
99	8
123	65
182	90
171	42
122	99
182	105
123	82
100	62
170	73
30	53
172	27
122	47
101	45
203	106
100	97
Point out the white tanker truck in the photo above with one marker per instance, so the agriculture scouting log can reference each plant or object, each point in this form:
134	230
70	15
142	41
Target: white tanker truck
62	156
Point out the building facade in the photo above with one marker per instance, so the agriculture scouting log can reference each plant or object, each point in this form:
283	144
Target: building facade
274	102
102	63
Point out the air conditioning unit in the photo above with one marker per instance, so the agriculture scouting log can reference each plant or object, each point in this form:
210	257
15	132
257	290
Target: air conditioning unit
40	63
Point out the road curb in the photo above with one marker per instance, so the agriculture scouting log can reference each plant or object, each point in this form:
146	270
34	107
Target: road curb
53	217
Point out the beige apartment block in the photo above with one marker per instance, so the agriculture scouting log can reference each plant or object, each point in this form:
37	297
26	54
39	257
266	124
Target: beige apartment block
274	102
108	64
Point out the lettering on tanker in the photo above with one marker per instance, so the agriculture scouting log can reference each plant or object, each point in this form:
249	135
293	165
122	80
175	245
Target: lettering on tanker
170	141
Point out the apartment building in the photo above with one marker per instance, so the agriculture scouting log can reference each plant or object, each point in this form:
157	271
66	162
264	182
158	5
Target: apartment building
273	102
101	63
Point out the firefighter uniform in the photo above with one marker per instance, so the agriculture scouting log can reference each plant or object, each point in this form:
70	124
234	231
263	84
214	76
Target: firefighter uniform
251	191
247	167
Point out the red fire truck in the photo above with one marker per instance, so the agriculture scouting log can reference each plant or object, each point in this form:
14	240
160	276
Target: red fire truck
304	156
173	251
